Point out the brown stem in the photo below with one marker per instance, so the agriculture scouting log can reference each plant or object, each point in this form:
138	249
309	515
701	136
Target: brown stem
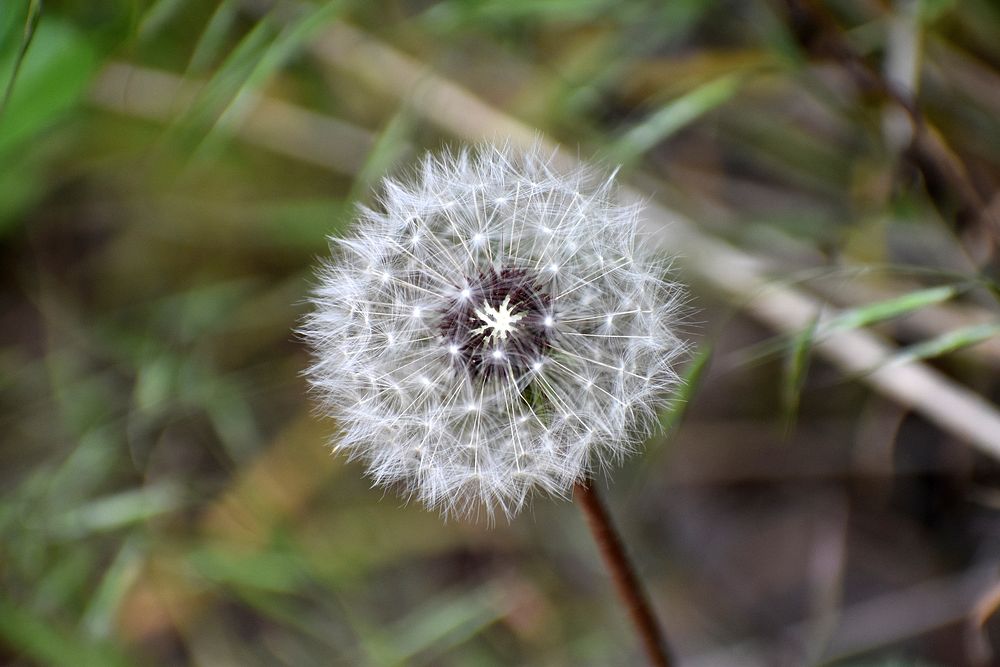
626	583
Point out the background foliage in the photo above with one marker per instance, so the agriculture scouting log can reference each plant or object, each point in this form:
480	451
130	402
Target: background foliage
169	172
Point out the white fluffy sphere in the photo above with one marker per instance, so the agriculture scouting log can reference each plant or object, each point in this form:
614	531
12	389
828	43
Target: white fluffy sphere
497	326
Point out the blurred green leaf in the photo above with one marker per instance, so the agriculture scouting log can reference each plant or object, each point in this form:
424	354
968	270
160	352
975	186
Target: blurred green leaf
671	417
227	80
232	417
213	37
255	71
671	117
63	580
46	643
853	318
300	223
154	384
30	25
932	10
796	369
43	83
157	15
888	309
390	146
267	570
440	624
690	382
783	146
19	189
451	15
206	308
51	79
102	610
118	510
946	343
81	473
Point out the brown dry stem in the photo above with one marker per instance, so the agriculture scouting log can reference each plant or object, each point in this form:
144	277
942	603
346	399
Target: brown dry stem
623	574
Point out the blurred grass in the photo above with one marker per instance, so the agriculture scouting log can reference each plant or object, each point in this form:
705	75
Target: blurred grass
33	13
166	498
41	86
670	118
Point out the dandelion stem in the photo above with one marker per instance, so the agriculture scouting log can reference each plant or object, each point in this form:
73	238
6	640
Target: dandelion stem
626	583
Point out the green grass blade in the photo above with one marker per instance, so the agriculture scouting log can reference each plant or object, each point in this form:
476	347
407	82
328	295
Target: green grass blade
853	318
225	83
444	623
888	309
46	644
30	26
691	381
272	58
671	416
796	369
300	223
98	620
158	14
272	570
51	79
213	37
390	146
946	343
118	510
673	116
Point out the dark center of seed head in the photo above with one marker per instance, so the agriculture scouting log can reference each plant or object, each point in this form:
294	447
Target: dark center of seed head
498	322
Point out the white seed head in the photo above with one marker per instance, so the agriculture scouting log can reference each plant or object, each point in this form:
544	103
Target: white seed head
497	326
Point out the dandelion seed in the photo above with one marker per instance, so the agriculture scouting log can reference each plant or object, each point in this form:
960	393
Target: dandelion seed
442	352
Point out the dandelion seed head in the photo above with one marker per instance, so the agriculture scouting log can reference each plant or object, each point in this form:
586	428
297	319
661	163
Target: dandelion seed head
495	327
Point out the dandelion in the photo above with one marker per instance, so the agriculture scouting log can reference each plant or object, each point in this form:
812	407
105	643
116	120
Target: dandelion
495	327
